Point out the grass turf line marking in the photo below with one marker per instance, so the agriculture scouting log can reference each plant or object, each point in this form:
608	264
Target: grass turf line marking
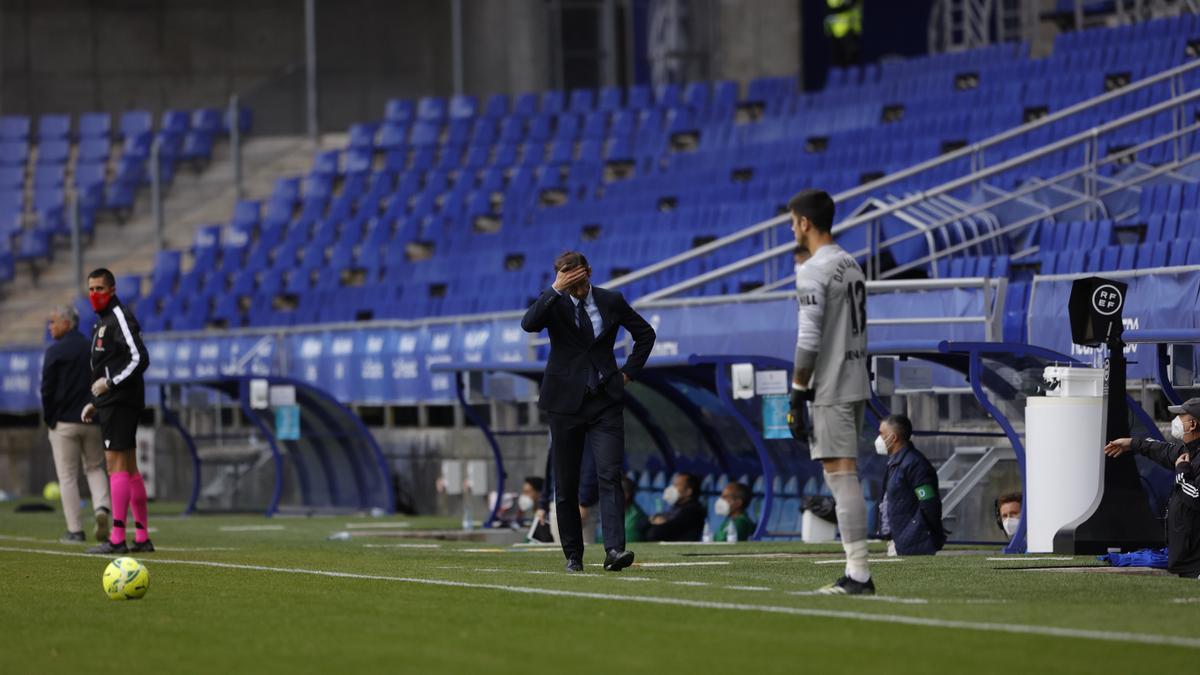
690	583
879	598
401	545
1184	601
1021	558
252	528
923	622
870	560
376	526
746	588
669	564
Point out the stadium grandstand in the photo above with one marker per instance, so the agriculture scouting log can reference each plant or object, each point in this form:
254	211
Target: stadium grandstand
329	236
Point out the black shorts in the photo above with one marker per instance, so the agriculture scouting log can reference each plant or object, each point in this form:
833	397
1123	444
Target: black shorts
118	427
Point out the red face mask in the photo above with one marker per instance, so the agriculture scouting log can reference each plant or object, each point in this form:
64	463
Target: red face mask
100	300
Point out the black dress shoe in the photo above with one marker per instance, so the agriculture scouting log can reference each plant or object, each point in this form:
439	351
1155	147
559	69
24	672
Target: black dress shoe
616	560
574	565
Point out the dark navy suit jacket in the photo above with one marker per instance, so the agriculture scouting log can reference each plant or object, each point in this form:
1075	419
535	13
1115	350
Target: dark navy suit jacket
571	354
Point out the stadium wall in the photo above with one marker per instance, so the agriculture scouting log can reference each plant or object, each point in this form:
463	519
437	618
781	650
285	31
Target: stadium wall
157	54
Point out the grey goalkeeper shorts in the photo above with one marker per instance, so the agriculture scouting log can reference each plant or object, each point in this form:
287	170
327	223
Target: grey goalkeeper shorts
836	430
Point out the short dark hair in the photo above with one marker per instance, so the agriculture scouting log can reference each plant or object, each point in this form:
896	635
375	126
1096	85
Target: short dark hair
103	273
799	250
742	492
536	482
816	205
899	424
693	481
1010	497
570	259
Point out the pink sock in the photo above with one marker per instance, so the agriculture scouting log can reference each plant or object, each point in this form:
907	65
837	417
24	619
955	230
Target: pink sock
118	487
137	499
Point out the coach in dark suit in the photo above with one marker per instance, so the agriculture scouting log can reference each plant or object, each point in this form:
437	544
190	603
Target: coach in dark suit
582	390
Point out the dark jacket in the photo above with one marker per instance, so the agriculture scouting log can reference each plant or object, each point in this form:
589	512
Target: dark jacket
912	504
66	379
119	355
565	380
685	522
1183	506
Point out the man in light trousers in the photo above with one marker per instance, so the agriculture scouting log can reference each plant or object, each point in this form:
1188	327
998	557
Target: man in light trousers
66	377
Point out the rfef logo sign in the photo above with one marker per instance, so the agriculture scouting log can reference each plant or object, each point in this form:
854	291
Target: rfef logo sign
1107	300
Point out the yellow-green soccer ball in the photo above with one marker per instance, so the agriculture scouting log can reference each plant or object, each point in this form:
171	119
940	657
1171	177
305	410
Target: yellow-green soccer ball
51	491
126	579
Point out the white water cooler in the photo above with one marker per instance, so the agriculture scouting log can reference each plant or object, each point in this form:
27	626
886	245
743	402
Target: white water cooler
1064	462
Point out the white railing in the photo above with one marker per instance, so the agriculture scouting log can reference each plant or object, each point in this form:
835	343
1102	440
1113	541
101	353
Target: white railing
982	171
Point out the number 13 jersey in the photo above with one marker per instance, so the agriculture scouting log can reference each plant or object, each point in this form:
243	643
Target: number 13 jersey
831	339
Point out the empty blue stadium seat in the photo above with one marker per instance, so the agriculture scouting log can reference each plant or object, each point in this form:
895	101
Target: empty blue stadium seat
54	128
135	123
95	125
14	128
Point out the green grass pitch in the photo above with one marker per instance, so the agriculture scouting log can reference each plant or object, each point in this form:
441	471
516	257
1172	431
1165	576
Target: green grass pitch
289	600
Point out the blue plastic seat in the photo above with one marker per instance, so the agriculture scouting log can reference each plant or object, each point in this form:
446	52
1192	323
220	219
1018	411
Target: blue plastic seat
134	123
54	128
14	128
95	125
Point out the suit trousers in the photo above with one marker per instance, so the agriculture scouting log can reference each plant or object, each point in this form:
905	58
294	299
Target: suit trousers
71	444
600	421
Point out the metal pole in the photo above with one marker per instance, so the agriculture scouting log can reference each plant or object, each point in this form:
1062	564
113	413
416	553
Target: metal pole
156	191
310	50
235	144
456	44
608	37
76	244
630	47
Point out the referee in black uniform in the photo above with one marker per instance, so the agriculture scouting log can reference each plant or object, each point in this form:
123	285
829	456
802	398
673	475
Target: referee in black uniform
118	397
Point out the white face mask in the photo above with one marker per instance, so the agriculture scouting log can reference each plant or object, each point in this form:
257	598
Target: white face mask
1010	525
525	503
671	494
721	508
1177	428
881	445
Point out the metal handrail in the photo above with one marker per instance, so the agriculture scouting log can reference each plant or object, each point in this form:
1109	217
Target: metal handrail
966	151
964	181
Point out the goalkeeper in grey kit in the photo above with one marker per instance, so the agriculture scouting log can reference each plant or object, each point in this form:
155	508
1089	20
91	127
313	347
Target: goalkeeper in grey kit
830	384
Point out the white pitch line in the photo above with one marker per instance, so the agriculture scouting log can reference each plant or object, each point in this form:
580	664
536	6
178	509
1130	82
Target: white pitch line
713	563
252	528
746	588
401	545
923	622
879	598
690	583
670	564
190	549
376	526
871	560
696	543
1021	558
1184	601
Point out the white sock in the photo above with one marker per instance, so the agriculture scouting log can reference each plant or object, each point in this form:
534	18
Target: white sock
852	521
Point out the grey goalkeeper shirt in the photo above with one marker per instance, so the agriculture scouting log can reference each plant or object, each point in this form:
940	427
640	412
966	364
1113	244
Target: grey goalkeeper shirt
831	293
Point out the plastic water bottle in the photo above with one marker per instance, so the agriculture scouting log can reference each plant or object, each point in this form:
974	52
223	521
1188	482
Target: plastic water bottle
707	536
730	533
468	525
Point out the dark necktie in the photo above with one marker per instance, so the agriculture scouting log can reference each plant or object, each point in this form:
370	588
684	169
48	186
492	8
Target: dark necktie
589	336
